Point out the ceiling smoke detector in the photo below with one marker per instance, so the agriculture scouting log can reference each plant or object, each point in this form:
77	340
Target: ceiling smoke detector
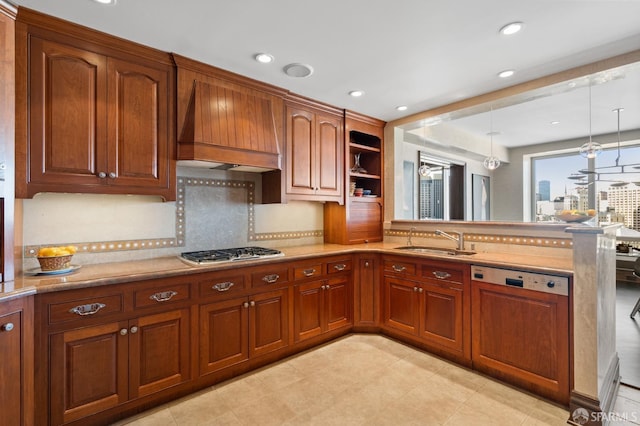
298	70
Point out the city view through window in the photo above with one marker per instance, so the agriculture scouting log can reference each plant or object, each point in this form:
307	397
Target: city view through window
555	192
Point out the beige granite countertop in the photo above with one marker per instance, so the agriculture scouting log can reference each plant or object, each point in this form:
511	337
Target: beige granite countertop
121	272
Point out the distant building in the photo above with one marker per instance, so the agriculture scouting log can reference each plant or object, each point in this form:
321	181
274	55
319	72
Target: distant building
625	201
566	202
544	190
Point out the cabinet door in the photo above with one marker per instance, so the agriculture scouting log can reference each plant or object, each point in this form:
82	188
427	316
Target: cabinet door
301	146
88	371
67	115
16	366
138	125
366	287
441	314
224	334
158	352
269	322
338	303
328	155
308	310
523	336
400	305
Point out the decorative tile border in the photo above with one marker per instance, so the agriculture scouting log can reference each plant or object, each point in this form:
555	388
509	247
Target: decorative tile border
497	239
179	239
287	235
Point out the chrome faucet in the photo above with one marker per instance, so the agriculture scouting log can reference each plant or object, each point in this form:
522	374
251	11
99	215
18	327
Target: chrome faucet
409	243
459	239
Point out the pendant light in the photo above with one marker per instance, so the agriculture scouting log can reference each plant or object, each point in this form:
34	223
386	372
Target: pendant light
590	149
491	162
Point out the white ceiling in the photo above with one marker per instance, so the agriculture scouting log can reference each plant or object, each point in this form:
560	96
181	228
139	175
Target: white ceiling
418	53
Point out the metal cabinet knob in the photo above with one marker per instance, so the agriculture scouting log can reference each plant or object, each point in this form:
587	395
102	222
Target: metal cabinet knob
245	305
112	175
252	303
420	290
366	264
134	329
7	327
102	175
123	331
415	289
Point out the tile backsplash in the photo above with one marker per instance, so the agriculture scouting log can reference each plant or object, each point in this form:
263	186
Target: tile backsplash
213	209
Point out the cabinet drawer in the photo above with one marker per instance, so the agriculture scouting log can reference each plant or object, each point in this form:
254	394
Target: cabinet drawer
274	276
222	285
307	271
91	307
161	295
339	266
445	273
399	267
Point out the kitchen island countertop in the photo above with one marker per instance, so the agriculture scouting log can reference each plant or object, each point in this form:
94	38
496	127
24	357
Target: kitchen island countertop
121	272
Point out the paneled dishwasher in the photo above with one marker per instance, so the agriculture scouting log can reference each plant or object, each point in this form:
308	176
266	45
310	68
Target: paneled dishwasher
520	329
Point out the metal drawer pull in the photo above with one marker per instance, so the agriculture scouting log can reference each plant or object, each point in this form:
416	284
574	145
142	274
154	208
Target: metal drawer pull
308	272
88	309
270	279
222	286
163	296
7	327
340	267
441	275
398	268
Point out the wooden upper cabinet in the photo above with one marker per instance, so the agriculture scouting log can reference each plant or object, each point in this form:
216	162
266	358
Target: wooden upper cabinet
67	123
97	120
314	154
360	219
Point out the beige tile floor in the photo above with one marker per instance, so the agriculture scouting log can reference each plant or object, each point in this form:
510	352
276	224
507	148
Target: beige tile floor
366	380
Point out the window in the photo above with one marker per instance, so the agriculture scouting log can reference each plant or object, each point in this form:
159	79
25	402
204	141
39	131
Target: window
616	197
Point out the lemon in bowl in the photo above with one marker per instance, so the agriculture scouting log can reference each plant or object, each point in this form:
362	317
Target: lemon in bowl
55	258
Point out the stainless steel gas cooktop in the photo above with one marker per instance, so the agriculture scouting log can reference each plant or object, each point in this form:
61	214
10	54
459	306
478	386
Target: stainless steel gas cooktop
205	257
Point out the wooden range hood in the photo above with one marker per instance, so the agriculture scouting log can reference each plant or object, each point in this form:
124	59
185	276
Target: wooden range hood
226	119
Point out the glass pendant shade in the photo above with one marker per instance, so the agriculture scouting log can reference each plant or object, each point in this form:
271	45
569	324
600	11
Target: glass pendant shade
491	163
424	171
590	149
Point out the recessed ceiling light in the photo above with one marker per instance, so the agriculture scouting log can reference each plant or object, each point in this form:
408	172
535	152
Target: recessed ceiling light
298	70
506	73
105	1
264	58
553	123
401	108
511	28
356	93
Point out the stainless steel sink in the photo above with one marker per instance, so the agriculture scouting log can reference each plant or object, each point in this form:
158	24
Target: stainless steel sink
436	250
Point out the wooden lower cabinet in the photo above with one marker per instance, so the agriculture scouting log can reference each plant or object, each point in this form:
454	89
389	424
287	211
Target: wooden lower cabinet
366	287
432	310
522	336
100	367
232	331
321	306
16	366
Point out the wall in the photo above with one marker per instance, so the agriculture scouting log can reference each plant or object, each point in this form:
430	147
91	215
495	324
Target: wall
215	209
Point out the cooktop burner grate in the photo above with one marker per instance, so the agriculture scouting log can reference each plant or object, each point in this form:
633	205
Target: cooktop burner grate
229	254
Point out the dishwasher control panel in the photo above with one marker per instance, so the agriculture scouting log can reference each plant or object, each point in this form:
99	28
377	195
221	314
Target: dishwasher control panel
555	284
